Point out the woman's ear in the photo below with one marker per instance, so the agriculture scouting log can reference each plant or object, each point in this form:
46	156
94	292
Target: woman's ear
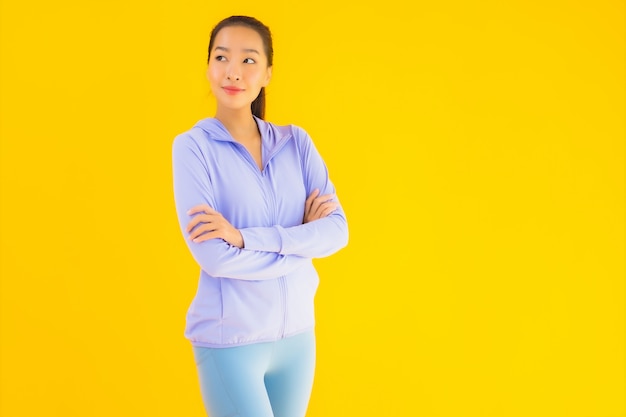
268	76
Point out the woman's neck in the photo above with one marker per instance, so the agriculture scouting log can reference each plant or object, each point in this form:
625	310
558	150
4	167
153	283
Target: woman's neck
240	124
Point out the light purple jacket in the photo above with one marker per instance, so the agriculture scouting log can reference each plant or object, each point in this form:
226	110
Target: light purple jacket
265	291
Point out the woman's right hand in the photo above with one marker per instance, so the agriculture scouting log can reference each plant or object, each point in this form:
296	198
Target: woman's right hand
318	206
208	223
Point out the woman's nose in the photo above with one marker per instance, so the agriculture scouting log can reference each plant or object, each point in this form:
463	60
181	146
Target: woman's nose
233	74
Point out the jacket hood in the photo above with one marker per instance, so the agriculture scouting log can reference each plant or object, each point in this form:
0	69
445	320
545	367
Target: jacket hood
273	137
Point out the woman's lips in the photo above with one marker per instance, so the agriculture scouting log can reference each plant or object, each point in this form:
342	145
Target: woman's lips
232	90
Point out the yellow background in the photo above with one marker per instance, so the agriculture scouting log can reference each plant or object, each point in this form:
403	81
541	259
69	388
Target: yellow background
478	149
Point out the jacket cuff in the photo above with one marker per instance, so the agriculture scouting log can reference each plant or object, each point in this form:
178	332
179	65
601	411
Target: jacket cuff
265	239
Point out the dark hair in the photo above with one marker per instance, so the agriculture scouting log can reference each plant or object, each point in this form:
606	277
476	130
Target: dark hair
258	105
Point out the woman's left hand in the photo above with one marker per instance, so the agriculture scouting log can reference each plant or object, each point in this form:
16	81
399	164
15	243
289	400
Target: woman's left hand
318	206
210	224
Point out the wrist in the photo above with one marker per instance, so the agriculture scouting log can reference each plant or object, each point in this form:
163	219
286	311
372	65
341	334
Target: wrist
239	240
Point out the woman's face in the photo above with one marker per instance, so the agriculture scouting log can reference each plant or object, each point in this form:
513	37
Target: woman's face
237	67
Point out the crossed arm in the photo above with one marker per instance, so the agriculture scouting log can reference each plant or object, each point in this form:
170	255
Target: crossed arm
208	223
253	253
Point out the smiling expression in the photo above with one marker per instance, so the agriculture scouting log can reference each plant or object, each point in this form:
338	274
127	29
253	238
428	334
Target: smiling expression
237	67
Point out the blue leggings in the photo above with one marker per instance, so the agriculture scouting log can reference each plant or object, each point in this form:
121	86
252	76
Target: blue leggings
271	379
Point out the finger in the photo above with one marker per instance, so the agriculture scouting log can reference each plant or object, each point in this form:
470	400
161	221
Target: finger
202	229
328	209
325	209
310	198
193	223
201	218
196	220
204	237
201	208
324	198
319	202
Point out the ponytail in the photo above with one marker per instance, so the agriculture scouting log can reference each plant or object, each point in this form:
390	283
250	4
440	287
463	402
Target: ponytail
258	105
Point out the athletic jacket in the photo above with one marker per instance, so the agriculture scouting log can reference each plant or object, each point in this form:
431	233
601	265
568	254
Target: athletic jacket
265	291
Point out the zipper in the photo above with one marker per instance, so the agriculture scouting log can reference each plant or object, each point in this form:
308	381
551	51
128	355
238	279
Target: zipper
248	157
282	283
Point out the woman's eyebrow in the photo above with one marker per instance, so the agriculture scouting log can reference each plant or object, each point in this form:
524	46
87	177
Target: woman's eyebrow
246	50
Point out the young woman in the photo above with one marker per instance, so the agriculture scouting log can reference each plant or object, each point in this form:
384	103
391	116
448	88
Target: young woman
256	205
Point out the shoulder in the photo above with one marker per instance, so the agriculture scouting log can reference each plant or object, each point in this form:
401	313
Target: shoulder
190	140
299	132
194	143
289	131
200	134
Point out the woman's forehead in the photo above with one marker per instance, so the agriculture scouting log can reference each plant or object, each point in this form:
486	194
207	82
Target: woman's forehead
238	37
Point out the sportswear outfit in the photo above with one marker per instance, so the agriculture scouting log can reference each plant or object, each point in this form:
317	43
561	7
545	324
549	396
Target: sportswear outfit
254	305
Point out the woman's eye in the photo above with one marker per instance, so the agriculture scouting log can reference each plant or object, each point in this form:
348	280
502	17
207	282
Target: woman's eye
249	61
220	58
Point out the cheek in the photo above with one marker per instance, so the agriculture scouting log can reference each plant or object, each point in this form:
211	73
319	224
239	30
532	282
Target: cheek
257	77
214	74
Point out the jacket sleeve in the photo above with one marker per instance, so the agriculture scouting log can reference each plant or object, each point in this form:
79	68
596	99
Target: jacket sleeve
315	239
192	186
